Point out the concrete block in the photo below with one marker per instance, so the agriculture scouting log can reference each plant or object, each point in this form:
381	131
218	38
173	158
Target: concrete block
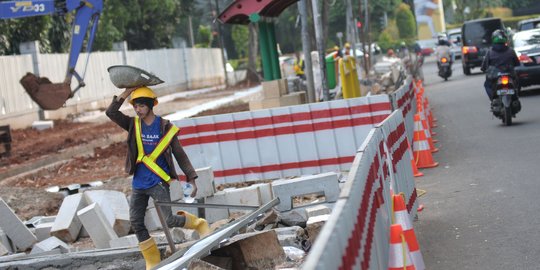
100	230
50	244
205	182
42	125
176	190
151	220
215	214
275	88
67	225
4	240
243	196
259	250
3	250
266	192
314	226
43	230
287	189
114	205
15	228
126	241
317	210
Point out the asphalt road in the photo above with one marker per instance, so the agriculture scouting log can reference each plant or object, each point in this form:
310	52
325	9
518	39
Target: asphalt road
481	201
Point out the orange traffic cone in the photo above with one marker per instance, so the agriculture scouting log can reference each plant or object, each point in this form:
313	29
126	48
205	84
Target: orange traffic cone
426	128
402	218
430	117
416	173
421	149
399	256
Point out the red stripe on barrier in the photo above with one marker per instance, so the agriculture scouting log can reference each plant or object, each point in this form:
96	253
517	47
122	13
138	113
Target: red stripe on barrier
288	118
378	200
286	130
353	244
412	200
284	166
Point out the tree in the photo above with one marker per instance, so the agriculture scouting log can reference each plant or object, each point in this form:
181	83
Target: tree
205	37
240	36
405	22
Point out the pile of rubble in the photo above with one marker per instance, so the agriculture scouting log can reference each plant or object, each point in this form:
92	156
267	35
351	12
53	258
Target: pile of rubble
93	228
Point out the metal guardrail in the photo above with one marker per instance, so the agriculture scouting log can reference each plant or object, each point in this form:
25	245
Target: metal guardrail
181	259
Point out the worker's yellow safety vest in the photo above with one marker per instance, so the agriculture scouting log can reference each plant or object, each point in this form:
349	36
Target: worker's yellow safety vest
150	160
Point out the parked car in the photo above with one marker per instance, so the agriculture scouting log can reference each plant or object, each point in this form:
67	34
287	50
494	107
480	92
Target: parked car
476	38
454	36
527	46
528	24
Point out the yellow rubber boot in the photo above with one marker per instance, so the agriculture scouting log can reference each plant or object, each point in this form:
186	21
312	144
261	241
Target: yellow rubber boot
195	223
150	253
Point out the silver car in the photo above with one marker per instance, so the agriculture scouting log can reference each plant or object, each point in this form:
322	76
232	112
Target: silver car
454	36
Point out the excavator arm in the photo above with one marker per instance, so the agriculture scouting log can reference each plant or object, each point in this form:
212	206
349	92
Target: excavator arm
51	96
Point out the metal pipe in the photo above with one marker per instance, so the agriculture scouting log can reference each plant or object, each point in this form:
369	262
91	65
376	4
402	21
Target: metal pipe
165	227
206	205
181	259
306	48
320	47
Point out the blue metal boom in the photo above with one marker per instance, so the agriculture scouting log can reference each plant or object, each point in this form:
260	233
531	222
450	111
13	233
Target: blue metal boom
86	20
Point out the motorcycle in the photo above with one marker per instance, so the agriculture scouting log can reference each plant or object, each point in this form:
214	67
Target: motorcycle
445	68
505	104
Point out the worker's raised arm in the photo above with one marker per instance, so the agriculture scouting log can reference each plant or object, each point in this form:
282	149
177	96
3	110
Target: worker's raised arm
114	113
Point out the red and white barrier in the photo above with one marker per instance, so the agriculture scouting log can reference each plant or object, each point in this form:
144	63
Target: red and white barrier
404	99
399	157
282	142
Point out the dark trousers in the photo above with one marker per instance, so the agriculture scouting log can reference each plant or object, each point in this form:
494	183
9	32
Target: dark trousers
489	91
139	202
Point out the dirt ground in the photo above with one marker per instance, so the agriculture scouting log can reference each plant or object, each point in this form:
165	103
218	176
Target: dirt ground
26	194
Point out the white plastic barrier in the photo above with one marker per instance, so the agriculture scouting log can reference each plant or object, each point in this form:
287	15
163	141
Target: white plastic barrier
282	142
404	99
395	136
356	234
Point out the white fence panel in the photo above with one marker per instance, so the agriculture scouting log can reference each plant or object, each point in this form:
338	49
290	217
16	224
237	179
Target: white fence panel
13	97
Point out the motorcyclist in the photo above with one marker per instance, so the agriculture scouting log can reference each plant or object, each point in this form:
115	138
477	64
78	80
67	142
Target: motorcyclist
443	49
500	58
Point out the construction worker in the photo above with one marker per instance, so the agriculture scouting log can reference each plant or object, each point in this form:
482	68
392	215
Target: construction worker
347	49
152	143
299	66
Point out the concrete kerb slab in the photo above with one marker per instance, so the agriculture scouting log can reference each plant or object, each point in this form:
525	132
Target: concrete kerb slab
97	225
67	225
15	228
286	189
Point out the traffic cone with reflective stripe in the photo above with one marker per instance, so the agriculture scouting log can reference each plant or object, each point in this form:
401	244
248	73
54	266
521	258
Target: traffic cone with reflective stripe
429	133
416	173
431	119
421	150
399	256
402	217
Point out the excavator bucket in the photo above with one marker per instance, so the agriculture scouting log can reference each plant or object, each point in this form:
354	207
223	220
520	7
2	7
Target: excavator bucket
48	95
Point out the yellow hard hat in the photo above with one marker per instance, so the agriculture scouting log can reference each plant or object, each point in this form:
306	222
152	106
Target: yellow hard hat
336	48
347	45
143	91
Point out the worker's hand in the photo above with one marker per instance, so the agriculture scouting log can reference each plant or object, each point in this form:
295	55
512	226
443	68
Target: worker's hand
127	92
194	191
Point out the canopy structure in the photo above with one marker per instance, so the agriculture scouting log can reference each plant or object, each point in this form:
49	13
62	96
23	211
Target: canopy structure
257	11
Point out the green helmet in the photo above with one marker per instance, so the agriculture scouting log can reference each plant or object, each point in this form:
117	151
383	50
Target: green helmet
498	37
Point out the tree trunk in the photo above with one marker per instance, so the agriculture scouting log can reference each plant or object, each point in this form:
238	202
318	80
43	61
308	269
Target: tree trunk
324	19
252	75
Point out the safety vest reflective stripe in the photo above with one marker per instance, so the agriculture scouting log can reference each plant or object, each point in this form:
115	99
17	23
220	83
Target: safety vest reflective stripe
150	160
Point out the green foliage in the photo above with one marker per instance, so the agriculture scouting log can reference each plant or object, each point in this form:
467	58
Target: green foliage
513	4
205	37
405	22
240	36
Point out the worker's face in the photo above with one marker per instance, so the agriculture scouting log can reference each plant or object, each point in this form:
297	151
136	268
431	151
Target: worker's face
141	110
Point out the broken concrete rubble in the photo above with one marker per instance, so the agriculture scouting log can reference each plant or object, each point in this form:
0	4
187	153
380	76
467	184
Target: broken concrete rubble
314	226
242	247
50	244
